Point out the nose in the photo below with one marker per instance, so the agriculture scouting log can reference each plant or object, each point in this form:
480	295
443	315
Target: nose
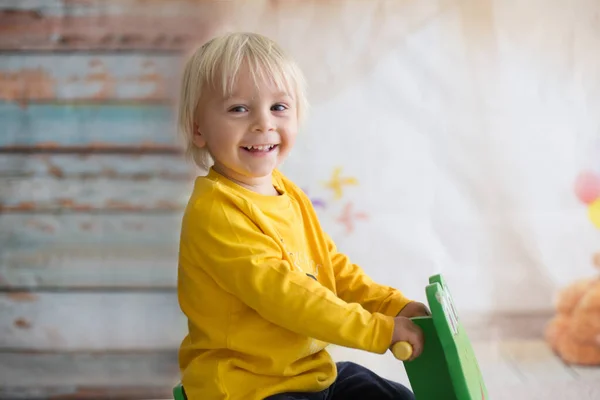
263	122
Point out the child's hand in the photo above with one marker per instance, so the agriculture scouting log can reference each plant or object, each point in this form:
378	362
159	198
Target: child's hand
414	309
407	331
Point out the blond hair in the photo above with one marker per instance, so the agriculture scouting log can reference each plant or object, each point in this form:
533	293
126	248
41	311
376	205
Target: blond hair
215	65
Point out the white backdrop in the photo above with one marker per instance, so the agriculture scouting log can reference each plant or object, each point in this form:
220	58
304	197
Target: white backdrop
465	124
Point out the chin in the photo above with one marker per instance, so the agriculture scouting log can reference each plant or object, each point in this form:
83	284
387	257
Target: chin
260	173
261	169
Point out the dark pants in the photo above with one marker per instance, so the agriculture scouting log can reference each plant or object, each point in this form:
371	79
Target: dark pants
354	382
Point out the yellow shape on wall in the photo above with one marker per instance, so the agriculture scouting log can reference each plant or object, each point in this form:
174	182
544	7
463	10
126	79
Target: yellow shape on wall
337	183
594	213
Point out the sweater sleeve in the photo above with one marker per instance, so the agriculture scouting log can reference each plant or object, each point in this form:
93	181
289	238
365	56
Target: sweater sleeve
248	264
353	285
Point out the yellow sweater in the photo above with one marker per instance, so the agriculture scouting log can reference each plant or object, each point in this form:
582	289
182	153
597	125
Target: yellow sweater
265	291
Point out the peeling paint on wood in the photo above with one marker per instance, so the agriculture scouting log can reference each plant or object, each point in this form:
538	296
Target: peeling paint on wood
22	323
79	229
32	195
74	251
89	167
101	28
22	296
87	126
85	392
82	371
54	148
28	78
104	7
93	321
91	268
93	183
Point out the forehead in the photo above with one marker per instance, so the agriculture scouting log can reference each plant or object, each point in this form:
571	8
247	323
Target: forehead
255	80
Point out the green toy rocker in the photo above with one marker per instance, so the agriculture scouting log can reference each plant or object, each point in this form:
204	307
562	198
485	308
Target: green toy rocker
447	369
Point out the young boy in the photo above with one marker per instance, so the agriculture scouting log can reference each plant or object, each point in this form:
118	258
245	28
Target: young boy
263	287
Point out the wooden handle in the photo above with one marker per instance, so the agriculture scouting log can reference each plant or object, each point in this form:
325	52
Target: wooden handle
402	350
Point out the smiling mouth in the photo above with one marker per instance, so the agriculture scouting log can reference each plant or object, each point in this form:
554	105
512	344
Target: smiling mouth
260	149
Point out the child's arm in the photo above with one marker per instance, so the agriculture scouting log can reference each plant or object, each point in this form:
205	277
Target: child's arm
353	285
242	260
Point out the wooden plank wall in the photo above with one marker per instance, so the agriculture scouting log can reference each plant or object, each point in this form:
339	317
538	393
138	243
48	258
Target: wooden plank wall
105	25
92	182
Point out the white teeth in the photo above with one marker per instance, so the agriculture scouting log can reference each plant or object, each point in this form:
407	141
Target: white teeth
260	148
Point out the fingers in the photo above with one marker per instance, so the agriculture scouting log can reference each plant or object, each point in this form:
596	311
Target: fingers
415	309
416	339
407	331
426	310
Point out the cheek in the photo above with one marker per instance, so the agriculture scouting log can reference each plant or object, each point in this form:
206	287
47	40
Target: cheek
221	136
223	143
290	132
289	140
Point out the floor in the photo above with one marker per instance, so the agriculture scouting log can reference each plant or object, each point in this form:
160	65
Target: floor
515	362
513	369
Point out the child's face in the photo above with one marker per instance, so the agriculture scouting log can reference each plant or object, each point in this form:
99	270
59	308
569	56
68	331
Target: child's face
250	133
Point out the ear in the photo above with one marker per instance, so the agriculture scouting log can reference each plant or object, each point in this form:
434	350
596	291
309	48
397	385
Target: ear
197	137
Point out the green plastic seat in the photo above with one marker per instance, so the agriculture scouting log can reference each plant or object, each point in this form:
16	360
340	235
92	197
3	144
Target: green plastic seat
178	392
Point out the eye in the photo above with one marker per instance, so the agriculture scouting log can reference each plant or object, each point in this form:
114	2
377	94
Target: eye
279	107
238	109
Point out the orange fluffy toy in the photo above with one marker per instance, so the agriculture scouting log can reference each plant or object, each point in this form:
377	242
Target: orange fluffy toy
574	333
